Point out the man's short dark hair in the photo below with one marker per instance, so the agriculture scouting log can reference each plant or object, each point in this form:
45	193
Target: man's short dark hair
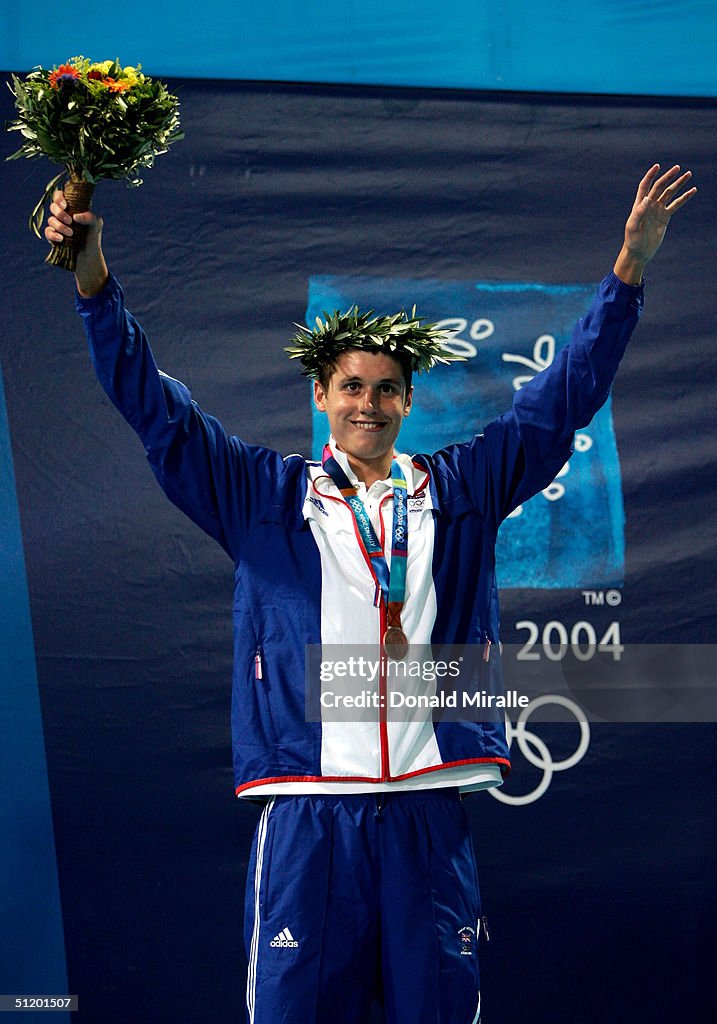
326	370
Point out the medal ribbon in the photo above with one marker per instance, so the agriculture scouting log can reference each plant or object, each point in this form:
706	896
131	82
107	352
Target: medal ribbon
393	582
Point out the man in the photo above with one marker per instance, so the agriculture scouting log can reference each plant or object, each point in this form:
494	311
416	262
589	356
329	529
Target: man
362	879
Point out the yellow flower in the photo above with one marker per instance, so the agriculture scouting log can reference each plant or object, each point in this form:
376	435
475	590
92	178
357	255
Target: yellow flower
129	74
104	66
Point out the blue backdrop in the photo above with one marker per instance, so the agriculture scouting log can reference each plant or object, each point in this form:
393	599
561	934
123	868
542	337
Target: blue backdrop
663	48
600	891
501	333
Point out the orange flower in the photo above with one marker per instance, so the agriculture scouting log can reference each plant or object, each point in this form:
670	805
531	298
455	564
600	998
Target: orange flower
115	86
62	74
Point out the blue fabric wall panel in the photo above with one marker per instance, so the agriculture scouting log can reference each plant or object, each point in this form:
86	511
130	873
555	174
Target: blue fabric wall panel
31	933
598	46
131	603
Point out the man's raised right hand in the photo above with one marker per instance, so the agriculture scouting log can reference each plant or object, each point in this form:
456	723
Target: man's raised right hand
91	271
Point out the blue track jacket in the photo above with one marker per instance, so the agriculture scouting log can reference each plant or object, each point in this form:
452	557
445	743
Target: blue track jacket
300	577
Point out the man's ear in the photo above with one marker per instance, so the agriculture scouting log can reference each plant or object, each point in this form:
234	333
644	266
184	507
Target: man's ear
319	396
407	405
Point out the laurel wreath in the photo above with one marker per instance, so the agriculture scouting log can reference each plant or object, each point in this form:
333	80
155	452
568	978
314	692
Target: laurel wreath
400	334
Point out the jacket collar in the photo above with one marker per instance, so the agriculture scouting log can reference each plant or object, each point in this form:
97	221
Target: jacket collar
417	477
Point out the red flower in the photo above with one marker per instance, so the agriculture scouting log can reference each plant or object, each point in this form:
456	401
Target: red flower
94	76
64	73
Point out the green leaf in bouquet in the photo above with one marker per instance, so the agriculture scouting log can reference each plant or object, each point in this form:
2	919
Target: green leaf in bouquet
38	214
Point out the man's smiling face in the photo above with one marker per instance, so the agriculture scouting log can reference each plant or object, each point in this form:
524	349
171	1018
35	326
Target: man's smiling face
366	402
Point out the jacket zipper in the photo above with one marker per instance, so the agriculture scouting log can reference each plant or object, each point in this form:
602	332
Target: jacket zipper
383	682
383	699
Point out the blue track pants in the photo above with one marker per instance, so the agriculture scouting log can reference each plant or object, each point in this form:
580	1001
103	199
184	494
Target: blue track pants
354	896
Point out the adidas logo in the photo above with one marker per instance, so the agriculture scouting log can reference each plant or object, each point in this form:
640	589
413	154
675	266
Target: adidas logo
284	938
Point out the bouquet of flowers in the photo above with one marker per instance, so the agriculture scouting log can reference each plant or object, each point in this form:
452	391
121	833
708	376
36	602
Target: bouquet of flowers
98	121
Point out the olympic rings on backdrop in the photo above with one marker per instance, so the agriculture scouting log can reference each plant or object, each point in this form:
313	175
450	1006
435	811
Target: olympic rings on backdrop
536	752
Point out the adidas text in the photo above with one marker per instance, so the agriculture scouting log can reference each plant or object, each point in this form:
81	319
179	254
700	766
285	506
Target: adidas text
284	939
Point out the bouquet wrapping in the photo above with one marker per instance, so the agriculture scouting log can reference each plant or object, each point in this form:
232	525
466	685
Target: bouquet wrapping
98	120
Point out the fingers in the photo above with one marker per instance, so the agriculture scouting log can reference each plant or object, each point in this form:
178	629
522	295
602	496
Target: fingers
661	186
668	195
646	184
59	223
667	185
663	190
676	204
658	184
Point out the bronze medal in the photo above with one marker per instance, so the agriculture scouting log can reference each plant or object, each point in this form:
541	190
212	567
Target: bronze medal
395	643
